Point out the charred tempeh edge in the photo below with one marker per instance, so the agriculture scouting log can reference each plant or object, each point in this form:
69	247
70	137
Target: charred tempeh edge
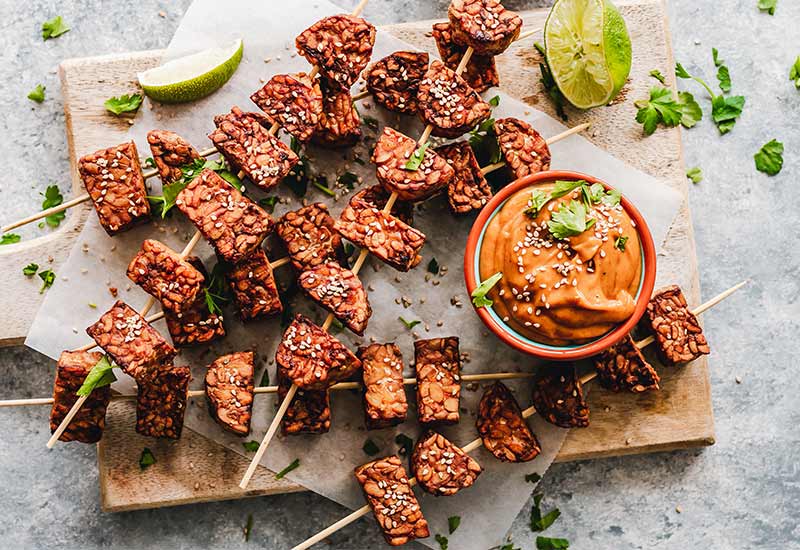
483	24
310	236
393	81
558	397
88	424
196	324
255	291
623	367
677	331
161	403
170	153
524	149
468	190
163	274
340	291
229	391
438	365
480	73
442	468
308	413
339	123
385	402
377	196
293	101
502	428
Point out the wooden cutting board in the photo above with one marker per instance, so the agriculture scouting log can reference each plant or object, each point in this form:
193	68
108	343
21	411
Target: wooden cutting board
196	469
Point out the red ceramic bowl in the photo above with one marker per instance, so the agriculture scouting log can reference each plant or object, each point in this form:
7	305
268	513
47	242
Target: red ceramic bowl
524	344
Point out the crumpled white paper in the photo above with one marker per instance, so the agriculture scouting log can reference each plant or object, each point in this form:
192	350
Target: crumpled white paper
326	462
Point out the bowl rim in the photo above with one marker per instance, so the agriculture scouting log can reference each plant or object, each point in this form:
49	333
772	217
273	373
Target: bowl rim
572	353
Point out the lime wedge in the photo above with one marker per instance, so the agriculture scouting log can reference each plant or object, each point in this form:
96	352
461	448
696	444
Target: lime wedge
192	77
588	50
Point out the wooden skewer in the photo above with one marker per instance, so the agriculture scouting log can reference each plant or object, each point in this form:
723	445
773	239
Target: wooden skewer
478	442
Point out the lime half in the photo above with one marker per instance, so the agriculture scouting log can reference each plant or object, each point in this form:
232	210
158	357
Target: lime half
588	50
194	76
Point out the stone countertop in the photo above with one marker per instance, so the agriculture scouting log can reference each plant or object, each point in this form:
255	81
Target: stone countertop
744	492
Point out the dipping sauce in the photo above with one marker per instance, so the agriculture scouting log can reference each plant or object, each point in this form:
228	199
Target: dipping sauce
568	290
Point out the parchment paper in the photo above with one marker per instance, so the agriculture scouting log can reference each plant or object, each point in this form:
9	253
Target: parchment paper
98	261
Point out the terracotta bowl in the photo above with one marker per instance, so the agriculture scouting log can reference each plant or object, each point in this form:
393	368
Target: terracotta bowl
521	342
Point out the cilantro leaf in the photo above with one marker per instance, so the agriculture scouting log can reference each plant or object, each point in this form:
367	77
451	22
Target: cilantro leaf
37	94
660	108
619	243
769	158
100	375
297	179
533	478
348	179
569	220
128	103
216	291
321	183
10	238
417	157
251	446
406	444
452	523
293	466
695	174
53	197
724	78
170	192
442	540
546	543
655	73
370	448
794	73
30	269
495	101
691	113
715	55
53	28
146	459
433	266
768	6
483	141
479	298
264	378
535	204
268	203
48	277
541	522
562	187
549	84
725	111
409	324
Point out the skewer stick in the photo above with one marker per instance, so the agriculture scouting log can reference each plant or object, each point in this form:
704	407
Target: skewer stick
478	442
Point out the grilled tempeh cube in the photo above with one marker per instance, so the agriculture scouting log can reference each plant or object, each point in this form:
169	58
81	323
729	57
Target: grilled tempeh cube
310	236
483	24
384	395
678	333
293	101
113	179
229	391
170	153
163	274
386	236
308	413
339	123
448	103
442	468
623	367
131	342
480	72
232	223
254	288
386	488
503	429
196	324
312	358
468	190
250	148
88	424
524	149
393	81
161	403
340	45
390	156
340	291
377	196
558	397
438	365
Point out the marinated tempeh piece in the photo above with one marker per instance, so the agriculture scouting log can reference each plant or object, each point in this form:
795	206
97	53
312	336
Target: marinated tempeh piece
340	291
441	468
196	324
483	24
480	72
308	413
390	156
254	288
524	149
161	403
88	424
503	430
377	196
232	223
250	148
229	391
438	365
293	101
339	123
163	274
623	367
170	153
388	493
312	358
340	45
558	397
448	103
393	81
131	342
113	178
310	236
384	395
387	237
678	333
468	190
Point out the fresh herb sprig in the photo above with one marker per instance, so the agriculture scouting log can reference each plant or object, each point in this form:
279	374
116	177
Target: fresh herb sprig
478	295
127	103
293	466
725	110
169	193
53	197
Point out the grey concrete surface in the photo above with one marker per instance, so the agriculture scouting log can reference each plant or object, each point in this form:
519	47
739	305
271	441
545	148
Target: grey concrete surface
742	493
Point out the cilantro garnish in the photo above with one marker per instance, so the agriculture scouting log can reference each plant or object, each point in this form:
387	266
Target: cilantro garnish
533	478
37	94
216	291
655	73
433	266
406	444
723	74
794	73
248	527
768	6
100	375
769	158
123	104
663	108
293	466
336	326
48	277
370	448
169	193
536	203
452	523
371	122
619	243
570	220
546	543
409	324
541	522
495	101
53	28
483	141
417	157
146	459
478	295
725	110
268	203
442	540
251	446
321	183
52	197
562	187
264	378
30	269
297	179
695	174
348	179
10	238
549	84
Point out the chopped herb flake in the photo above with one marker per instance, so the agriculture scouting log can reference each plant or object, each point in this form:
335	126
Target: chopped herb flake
370	448
546	543
495	101
433	266
248	527
268	203
101	375
48	277
53	28
769	158
147	459
695	174
30	269
321	183
417	157
409	324
127	103
538	522
452	523
442	540
251	446
53	197
293	466
10	238
348	180
478	295
794	73
37	94
570	220
535	204
768	6
533	478
655	73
